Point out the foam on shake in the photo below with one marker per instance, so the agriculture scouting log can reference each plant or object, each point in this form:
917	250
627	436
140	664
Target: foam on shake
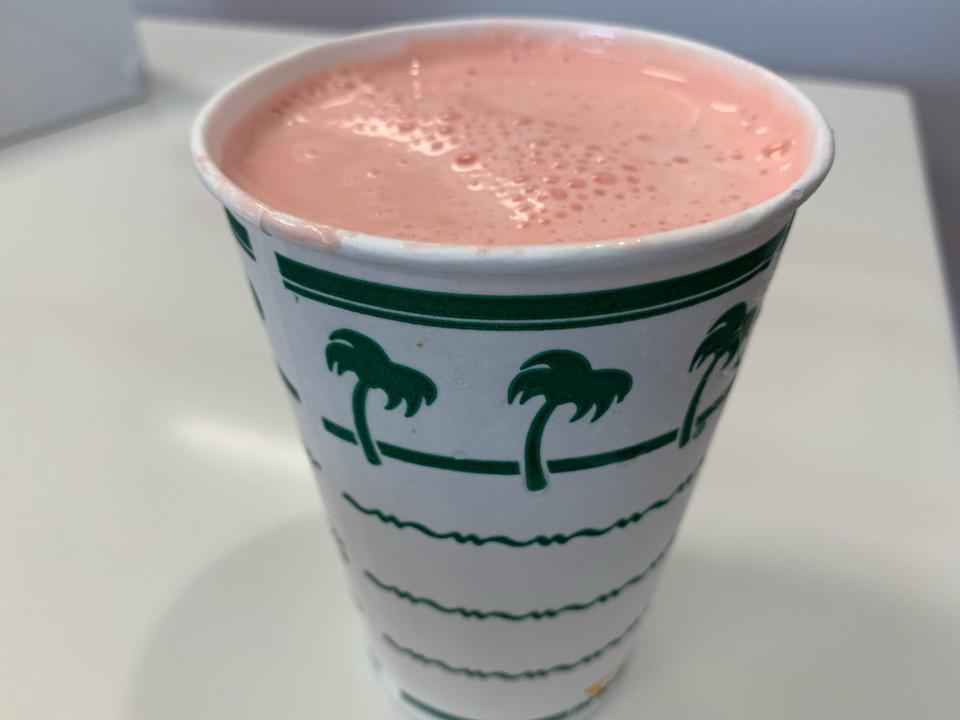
505	137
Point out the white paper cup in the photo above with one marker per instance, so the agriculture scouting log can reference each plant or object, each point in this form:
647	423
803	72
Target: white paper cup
505	438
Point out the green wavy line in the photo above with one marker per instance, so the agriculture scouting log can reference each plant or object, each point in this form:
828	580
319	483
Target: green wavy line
562	715
502	674
512	617
542	540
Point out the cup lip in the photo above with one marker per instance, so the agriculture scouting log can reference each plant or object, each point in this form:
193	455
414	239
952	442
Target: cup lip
685	242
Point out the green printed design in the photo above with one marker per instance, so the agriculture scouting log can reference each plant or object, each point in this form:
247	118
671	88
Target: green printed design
724	341
350	351
511	676
423	707
524	312
289	385
313	461
240	234
339	431
341	546
562	377
550	613
589	462
541	540
256	300
443	462
509	467
425	459
710	410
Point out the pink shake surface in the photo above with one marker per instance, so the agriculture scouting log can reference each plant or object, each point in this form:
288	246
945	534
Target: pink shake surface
506	137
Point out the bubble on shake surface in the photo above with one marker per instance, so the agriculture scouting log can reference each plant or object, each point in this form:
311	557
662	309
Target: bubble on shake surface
507	137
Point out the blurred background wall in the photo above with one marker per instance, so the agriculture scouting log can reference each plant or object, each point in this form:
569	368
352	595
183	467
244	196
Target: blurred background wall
908	42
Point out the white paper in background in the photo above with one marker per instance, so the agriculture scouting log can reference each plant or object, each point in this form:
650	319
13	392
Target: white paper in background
64	58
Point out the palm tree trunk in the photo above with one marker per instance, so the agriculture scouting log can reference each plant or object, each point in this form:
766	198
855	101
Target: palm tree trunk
532	464
694	401
360	420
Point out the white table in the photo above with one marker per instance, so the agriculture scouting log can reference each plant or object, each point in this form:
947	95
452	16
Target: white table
162	549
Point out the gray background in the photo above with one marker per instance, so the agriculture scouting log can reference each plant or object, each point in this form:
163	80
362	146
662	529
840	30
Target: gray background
909	42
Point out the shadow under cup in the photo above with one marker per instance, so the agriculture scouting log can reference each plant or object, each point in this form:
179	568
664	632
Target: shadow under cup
505	439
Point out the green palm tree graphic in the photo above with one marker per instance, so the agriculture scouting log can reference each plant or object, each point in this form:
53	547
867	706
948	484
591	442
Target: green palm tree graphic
350	351
561	377
725	338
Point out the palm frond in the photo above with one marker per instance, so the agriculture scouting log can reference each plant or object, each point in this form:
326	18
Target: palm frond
403	384
528	384
583	406
725	336
564	376
564	361
351	351
608	386
734	316
338	357
731	352
394	397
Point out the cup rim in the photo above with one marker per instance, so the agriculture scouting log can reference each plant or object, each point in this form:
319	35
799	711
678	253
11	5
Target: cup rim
652	248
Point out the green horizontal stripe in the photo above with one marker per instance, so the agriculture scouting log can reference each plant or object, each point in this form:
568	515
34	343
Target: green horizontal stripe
503	674
240	234
524	312
588	462
443	462
290	387
422	706
418	457
530	326
504	467
542	540
472	613
339	431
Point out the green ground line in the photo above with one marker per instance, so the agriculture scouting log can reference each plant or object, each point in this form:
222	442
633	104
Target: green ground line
472	613
429	710
503	674
339	431
442	462
511	467
541	540
588	462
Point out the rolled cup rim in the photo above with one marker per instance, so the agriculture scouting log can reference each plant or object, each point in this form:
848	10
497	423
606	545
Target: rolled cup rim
654	248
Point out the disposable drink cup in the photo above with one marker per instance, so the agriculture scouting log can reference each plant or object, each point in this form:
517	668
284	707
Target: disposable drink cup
505	438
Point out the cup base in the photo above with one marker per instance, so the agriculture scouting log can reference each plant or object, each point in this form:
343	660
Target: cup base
406	709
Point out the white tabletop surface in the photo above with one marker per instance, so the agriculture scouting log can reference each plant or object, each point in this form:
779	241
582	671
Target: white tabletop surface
163	554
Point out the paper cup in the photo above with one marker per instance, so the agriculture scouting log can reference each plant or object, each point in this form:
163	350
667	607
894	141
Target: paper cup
505	438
